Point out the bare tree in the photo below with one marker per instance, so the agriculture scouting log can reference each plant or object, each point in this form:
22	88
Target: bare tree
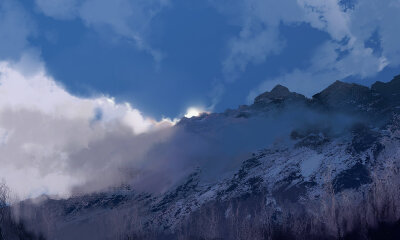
4	194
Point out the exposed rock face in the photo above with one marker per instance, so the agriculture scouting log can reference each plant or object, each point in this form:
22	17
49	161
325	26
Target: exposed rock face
346	97
389	91
278	94
382	98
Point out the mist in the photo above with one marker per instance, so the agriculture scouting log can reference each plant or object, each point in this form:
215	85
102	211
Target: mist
157	161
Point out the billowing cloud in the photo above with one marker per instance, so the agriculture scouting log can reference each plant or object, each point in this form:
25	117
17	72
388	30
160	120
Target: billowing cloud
126	18
42	128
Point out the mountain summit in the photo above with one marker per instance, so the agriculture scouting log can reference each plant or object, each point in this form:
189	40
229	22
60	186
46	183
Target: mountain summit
278	94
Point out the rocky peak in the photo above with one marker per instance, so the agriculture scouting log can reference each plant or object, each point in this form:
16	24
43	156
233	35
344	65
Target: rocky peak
280	91
343	88
278	94
345	96
390	91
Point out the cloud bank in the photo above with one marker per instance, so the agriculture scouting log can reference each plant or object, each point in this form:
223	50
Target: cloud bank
42	126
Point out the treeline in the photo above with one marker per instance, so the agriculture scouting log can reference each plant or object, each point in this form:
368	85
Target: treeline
369	212
10	229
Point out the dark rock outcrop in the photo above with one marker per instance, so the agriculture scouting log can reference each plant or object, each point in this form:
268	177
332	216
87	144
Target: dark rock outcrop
346	97
278	94
390	91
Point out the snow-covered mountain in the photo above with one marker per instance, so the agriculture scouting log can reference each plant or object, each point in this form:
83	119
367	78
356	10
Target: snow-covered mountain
335	156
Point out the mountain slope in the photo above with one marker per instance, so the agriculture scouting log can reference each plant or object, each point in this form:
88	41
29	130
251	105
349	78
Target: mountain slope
334	150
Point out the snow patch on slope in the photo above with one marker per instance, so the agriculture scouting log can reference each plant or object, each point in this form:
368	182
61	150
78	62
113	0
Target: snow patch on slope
310	165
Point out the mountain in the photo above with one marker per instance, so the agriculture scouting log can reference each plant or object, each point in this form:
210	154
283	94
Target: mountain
329	169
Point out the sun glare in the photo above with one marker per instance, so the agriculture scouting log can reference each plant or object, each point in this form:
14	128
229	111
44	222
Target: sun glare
193	112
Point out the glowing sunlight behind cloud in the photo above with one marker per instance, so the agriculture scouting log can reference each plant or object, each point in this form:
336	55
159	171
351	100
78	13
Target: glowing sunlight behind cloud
194	112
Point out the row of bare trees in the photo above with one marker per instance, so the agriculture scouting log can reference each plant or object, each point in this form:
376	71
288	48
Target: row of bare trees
10	229
352	213
334	215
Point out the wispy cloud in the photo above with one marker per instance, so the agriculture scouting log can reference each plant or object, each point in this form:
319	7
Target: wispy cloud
259	36
128	19
344	54
326	66
347	53
16	26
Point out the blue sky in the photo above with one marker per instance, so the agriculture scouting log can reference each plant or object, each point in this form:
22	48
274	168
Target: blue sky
163	56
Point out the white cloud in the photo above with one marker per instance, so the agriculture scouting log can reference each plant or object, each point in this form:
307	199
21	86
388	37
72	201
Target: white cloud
42	127
327	16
